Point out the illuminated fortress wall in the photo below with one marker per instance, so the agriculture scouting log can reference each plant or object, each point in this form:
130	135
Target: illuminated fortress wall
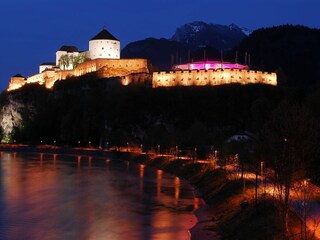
211	77
104	67
113	67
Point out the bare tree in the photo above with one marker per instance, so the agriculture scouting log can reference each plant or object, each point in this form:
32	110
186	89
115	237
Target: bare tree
290	138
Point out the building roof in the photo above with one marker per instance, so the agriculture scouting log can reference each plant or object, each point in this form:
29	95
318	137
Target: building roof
48	63
69	49
18	75
104	34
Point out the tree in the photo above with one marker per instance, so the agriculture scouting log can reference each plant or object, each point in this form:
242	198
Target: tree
64	61
290	138
76	60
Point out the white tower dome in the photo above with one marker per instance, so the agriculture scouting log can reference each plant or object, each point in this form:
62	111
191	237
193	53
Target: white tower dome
104	45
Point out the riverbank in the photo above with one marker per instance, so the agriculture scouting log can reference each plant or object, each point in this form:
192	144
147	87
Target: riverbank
230	211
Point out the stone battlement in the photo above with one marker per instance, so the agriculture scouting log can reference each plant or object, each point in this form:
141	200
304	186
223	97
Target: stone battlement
104	67
211	77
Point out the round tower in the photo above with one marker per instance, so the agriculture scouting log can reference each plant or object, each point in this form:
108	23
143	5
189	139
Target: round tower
104	45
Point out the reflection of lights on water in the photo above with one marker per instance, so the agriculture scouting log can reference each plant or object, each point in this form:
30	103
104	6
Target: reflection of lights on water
159	174
177	188
159	178
54	159
78	161
108	161
141	170
90	159
141	178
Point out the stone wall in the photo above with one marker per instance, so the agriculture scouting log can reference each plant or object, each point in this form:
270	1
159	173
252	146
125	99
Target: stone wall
211	77
16	83
104	67
136	71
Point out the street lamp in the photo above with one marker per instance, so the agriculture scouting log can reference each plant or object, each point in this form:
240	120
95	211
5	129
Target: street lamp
158	149
79	143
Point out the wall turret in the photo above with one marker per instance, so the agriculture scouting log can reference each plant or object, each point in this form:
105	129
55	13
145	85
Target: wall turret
104	45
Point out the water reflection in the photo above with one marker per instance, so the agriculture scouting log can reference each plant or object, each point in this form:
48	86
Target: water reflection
159	178
176	189
78	161
59	201
141	171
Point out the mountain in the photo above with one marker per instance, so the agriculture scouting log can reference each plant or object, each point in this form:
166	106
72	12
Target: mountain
191	42
200	34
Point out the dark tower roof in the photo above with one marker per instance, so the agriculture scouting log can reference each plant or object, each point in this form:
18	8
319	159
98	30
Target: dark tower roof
48	63
105	35
69	49
18	75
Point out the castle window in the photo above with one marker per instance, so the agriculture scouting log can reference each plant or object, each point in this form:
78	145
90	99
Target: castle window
102	48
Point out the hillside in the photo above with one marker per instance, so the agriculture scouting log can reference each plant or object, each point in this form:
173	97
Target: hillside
293	51
95	109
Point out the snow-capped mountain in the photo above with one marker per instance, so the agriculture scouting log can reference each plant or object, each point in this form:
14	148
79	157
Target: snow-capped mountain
200	34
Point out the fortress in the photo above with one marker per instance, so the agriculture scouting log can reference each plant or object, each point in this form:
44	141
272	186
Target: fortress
103	58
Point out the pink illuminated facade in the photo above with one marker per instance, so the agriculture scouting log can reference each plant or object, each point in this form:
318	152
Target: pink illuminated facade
206	65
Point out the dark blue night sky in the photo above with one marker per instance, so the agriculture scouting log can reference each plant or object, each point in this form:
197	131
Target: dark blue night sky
33	30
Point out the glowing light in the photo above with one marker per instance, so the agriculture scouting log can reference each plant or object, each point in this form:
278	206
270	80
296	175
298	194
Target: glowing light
209	65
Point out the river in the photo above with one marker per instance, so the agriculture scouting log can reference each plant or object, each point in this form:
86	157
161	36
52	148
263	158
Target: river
50	196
